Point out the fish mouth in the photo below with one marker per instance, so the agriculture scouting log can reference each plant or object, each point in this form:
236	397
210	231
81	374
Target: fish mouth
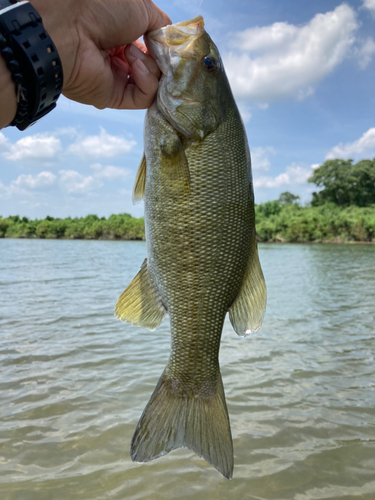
173	40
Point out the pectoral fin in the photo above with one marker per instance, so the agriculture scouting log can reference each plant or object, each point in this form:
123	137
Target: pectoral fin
175	169
247	311
140	182
139	304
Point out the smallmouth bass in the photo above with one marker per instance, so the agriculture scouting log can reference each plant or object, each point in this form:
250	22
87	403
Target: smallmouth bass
202	259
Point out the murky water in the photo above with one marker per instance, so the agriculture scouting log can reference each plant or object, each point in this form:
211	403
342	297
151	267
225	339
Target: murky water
300	392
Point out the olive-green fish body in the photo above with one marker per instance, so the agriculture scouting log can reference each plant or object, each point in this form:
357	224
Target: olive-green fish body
202	257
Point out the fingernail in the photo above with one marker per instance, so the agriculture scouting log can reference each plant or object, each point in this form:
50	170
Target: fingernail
135	52
142	67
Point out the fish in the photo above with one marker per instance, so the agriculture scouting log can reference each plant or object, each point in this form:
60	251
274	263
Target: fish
202	259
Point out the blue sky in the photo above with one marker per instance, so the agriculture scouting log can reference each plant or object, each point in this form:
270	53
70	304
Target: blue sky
303	74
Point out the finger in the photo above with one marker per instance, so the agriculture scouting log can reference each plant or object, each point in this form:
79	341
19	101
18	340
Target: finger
141	94
156	17
132	53
141	46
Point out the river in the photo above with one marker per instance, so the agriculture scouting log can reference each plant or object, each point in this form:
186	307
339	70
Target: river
74	381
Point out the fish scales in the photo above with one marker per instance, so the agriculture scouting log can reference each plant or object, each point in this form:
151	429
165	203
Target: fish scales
202	258
196	242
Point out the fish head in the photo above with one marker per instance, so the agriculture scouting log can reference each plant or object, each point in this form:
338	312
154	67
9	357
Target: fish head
193	83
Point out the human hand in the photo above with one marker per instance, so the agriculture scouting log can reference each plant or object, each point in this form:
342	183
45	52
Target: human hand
90	36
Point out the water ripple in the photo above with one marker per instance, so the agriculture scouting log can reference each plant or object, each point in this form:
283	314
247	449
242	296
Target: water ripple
300	392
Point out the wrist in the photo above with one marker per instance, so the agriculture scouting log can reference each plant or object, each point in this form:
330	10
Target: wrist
61	27
8	95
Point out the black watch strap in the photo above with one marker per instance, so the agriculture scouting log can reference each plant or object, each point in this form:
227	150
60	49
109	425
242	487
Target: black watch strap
32	59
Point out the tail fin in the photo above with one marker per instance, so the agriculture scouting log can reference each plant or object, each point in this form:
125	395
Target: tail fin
174	420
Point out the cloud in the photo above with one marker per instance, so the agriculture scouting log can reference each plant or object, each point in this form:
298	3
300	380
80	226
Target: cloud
283	60
102	145
369	4
25	184
73	182
294	174
40	180
259	158
366	52
364	143
245	112
38	147
110	172
3	140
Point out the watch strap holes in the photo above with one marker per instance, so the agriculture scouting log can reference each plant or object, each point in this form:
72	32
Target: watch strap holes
50	49
40	71
26	44
42	36
34	19
34	58
17	27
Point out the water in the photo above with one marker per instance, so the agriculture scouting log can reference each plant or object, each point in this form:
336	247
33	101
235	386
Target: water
300	392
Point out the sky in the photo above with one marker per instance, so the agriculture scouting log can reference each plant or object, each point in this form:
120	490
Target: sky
302	73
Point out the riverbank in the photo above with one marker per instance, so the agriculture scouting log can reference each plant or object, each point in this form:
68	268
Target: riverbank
327	223
275	222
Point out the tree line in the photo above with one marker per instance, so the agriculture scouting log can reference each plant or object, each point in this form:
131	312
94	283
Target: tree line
116	227
342	210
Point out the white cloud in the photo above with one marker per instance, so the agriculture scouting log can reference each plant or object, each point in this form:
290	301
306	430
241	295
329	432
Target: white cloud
245	112
259	158
366	52
369	4
364	143
38	147
294	174
3	140
283	60
73	182
102	145
25	184
40	180
110	172
263	105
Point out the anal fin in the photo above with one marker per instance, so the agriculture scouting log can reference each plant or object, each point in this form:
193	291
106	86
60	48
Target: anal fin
247	311
139	303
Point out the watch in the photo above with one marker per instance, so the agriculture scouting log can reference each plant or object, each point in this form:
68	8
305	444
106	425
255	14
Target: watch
32	59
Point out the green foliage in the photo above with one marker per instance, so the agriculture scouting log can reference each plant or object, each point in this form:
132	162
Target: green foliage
328	222
268	208
121	227
345	184
286	198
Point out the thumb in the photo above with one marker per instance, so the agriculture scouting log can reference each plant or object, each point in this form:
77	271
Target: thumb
157	18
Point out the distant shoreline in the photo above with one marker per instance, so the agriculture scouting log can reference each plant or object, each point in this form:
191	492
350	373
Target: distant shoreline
276	222
268	242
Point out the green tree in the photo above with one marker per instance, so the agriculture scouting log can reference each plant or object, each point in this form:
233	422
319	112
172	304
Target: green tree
286	198
344	183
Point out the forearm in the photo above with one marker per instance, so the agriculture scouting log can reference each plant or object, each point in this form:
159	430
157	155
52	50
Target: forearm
8	100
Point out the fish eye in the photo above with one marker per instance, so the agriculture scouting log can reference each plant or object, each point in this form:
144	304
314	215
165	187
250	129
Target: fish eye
209	62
